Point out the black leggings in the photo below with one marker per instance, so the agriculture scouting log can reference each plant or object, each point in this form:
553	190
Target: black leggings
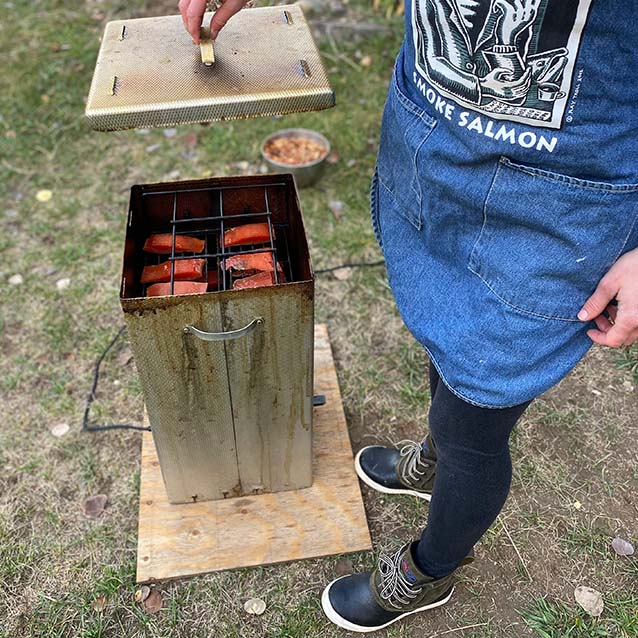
473	476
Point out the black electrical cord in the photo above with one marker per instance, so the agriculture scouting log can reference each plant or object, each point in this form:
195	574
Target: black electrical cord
89	401
96	370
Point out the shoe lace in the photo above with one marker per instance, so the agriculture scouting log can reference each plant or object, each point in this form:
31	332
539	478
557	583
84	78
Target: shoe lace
396	590
411	452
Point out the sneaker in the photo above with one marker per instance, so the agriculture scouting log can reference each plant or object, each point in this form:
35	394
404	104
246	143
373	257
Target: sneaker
407	469
396	589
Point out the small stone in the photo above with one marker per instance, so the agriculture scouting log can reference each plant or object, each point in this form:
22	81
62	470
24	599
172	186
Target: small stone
143	131
60	429
351	163
44	195
170	132
174	174
16	280
63	284
12	213
366	61
333	157
622	547
577	505
152	148
263	169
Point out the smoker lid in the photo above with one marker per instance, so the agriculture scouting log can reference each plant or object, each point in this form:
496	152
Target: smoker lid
149	73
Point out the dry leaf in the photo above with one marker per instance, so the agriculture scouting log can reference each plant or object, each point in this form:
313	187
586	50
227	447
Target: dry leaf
344	567
333	157
255	606
590	600
152	148
99	603
142	593
44	195
153	602
337	209
622	547
342	273
60	429
94	505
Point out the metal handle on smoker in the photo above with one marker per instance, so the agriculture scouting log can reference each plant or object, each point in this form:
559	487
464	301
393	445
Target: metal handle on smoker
223	336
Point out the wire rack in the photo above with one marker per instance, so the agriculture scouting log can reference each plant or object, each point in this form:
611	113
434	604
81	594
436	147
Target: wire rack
211	229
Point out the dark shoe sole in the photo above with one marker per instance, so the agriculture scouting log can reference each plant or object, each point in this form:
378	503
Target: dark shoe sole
381	488
340	621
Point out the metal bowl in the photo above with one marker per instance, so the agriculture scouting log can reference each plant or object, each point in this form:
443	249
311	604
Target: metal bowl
304	174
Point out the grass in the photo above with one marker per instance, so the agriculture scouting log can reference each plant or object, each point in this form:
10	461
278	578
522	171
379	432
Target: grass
555	619
571	446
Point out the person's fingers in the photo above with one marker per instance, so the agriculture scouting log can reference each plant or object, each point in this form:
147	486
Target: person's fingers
603	294
615	337
194	16
183	7
612	311
602	323
223	15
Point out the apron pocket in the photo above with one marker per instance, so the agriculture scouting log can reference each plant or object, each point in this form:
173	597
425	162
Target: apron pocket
404	129
548	239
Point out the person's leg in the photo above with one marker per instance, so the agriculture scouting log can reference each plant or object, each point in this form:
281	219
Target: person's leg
473	475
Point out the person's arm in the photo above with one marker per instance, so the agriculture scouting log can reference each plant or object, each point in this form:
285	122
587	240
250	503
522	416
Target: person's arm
620	283
193	14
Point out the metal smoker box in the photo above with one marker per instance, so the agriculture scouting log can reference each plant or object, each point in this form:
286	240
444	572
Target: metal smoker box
227	375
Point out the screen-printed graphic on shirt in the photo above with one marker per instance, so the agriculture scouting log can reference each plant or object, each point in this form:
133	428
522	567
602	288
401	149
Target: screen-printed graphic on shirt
510	59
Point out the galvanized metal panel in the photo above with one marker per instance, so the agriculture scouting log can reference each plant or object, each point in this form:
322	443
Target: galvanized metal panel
270	376
185	385
149	73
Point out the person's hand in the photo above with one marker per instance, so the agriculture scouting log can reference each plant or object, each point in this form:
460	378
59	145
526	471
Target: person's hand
498	83
193	14
621	283
515	17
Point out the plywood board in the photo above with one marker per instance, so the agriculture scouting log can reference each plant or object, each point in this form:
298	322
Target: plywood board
328	518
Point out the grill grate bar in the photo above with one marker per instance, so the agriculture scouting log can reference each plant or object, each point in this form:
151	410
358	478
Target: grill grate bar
214	188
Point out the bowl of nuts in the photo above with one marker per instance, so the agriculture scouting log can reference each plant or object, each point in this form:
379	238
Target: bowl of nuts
299	151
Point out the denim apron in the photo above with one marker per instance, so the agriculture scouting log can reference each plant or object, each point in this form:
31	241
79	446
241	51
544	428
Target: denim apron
506	183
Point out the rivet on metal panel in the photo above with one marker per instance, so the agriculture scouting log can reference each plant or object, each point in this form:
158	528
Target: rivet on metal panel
304	68
288	17
122	33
